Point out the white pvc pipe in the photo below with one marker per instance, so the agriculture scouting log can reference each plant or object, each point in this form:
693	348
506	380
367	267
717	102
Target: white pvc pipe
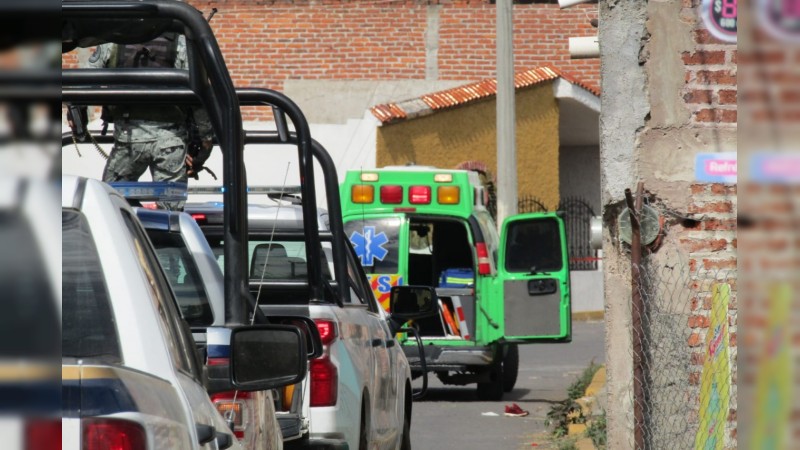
567	3
584	47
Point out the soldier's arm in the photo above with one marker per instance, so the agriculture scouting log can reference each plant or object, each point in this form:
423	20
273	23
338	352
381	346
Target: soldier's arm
201	118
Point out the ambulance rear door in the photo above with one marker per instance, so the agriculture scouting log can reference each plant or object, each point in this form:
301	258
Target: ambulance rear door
533	276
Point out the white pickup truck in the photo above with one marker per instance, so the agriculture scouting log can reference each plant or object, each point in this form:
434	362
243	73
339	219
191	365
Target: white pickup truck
359	391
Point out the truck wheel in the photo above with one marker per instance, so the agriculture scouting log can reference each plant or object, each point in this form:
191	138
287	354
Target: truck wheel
493	389
510	367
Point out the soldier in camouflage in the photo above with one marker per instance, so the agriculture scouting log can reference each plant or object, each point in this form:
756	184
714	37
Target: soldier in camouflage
153	137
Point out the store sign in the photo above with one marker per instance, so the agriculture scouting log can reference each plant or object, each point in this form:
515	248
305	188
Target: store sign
715	167
721	18
781	168
780	18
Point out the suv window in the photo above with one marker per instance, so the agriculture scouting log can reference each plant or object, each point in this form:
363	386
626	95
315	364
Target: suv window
183	276
180	347
88	327
376	243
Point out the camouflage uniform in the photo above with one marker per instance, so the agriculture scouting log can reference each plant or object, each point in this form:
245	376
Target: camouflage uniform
153	137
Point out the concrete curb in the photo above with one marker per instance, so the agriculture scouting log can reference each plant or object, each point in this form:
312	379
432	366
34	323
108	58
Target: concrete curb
591	405
585	316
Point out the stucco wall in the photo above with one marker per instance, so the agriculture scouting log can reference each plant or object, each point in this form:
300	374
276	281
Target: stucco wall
580	174
449	137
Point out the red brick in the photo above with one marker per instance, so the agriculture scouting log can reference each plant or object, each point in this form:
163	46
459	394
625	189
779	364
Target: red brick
694	378
715	77
719	224
724	189
712	207
698	96
727	97
716	115
712	264
704	57
733	339
694	340
698	321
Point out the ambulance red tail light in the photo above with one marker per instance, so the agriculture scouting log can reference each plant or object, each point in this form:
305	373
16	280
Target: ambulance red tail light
116	434
236	411
392	195
327	331
419	195
484	268
324	382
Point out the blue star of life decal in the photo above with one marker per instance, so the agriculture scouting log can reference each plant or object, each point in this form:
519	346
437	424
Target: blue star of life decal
369	246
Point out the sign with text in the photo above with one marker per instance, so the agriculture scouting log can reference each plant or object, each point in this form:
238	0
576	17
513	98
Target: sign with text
721	18
781	18
715	167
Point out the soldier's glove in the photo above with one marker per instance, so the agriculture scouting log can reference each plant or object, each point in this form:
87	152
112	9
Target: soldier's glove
200	151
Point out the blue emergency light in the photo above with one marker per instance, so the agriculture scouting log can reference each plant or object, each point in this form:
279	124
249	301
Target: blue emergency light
152	191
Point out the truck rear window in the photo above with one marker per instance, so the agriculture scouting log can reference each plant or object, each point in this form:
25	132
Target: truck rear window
376	243
88	327
533	246
183	276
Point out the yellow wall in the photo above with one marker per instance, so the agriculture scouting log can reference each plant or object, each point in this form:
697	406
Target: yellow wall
467	133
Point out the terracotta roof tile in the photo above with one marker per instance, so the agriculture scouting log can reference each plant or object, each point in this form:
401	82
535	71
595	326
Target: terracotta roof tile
391	112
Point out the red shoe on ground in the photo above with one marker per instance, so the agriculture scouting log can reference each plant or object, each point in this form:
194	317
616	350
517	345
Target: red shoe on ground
515	411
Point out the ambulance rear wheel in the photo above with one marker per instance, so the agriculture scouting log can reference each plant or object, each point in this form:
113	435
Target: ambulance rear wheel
510	367
492	390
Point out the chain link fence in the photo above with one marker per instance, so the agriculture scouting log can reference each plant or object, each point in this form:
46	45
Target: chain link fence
683	331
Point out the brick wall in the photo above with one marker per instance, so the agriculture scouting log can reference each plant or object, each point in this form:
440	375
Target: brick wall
710	89
710	94
266	42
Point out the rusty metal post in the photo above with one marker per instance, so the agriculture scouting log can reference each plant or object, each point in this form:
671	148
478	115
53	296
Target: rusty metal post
637	309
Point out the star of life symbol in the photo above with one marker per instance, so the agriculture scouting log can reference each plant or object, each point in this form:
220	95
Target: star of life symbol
369	246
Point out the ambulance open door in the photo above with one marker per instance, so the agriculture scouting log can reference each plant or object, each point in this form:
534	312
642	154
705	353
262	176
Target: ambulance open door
533	275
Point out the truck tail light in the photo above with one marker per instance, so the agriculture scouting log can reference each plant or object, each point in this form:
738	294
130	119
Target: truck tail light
43	434
362	193
236	411
448	195
324	382
199	217
327	331
419	195
484	267
392	194
287	396
116	434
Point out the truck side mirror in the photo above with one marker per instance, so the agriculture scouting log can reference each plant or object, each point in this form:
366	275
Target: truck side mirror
267	357
412	302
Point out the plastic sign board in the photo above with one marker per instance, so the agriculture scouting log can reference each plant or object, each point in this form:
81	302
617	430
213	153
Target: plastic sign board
782	168
721	18
780	18
715	167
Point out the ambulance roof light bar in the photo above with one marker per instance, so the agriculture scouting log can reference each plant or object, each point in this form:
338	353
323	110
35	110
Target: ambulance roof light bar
151	191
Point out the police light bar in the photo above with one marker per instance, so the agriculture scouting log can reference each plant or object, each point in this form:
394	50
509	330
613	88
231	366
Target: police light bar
211	190
151	191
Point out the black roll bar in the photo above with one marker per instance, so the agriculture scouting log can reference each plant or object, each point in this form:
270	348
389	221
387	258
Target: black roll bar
331	181
210	80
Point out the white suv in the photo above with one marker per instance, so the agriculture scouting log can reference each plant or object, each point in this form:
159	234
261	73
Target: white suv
131	376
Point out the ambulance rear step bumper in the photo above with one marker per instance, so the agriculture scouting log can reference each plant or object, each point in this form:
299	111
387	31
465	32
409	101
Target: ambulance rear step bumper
449	358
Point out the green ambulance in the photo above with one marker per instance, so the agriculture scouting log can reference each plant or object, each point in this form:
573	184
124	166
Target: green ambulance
426	226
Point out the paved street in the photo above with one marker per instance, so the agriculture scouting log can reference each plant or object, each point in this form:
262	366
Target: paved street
449	417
